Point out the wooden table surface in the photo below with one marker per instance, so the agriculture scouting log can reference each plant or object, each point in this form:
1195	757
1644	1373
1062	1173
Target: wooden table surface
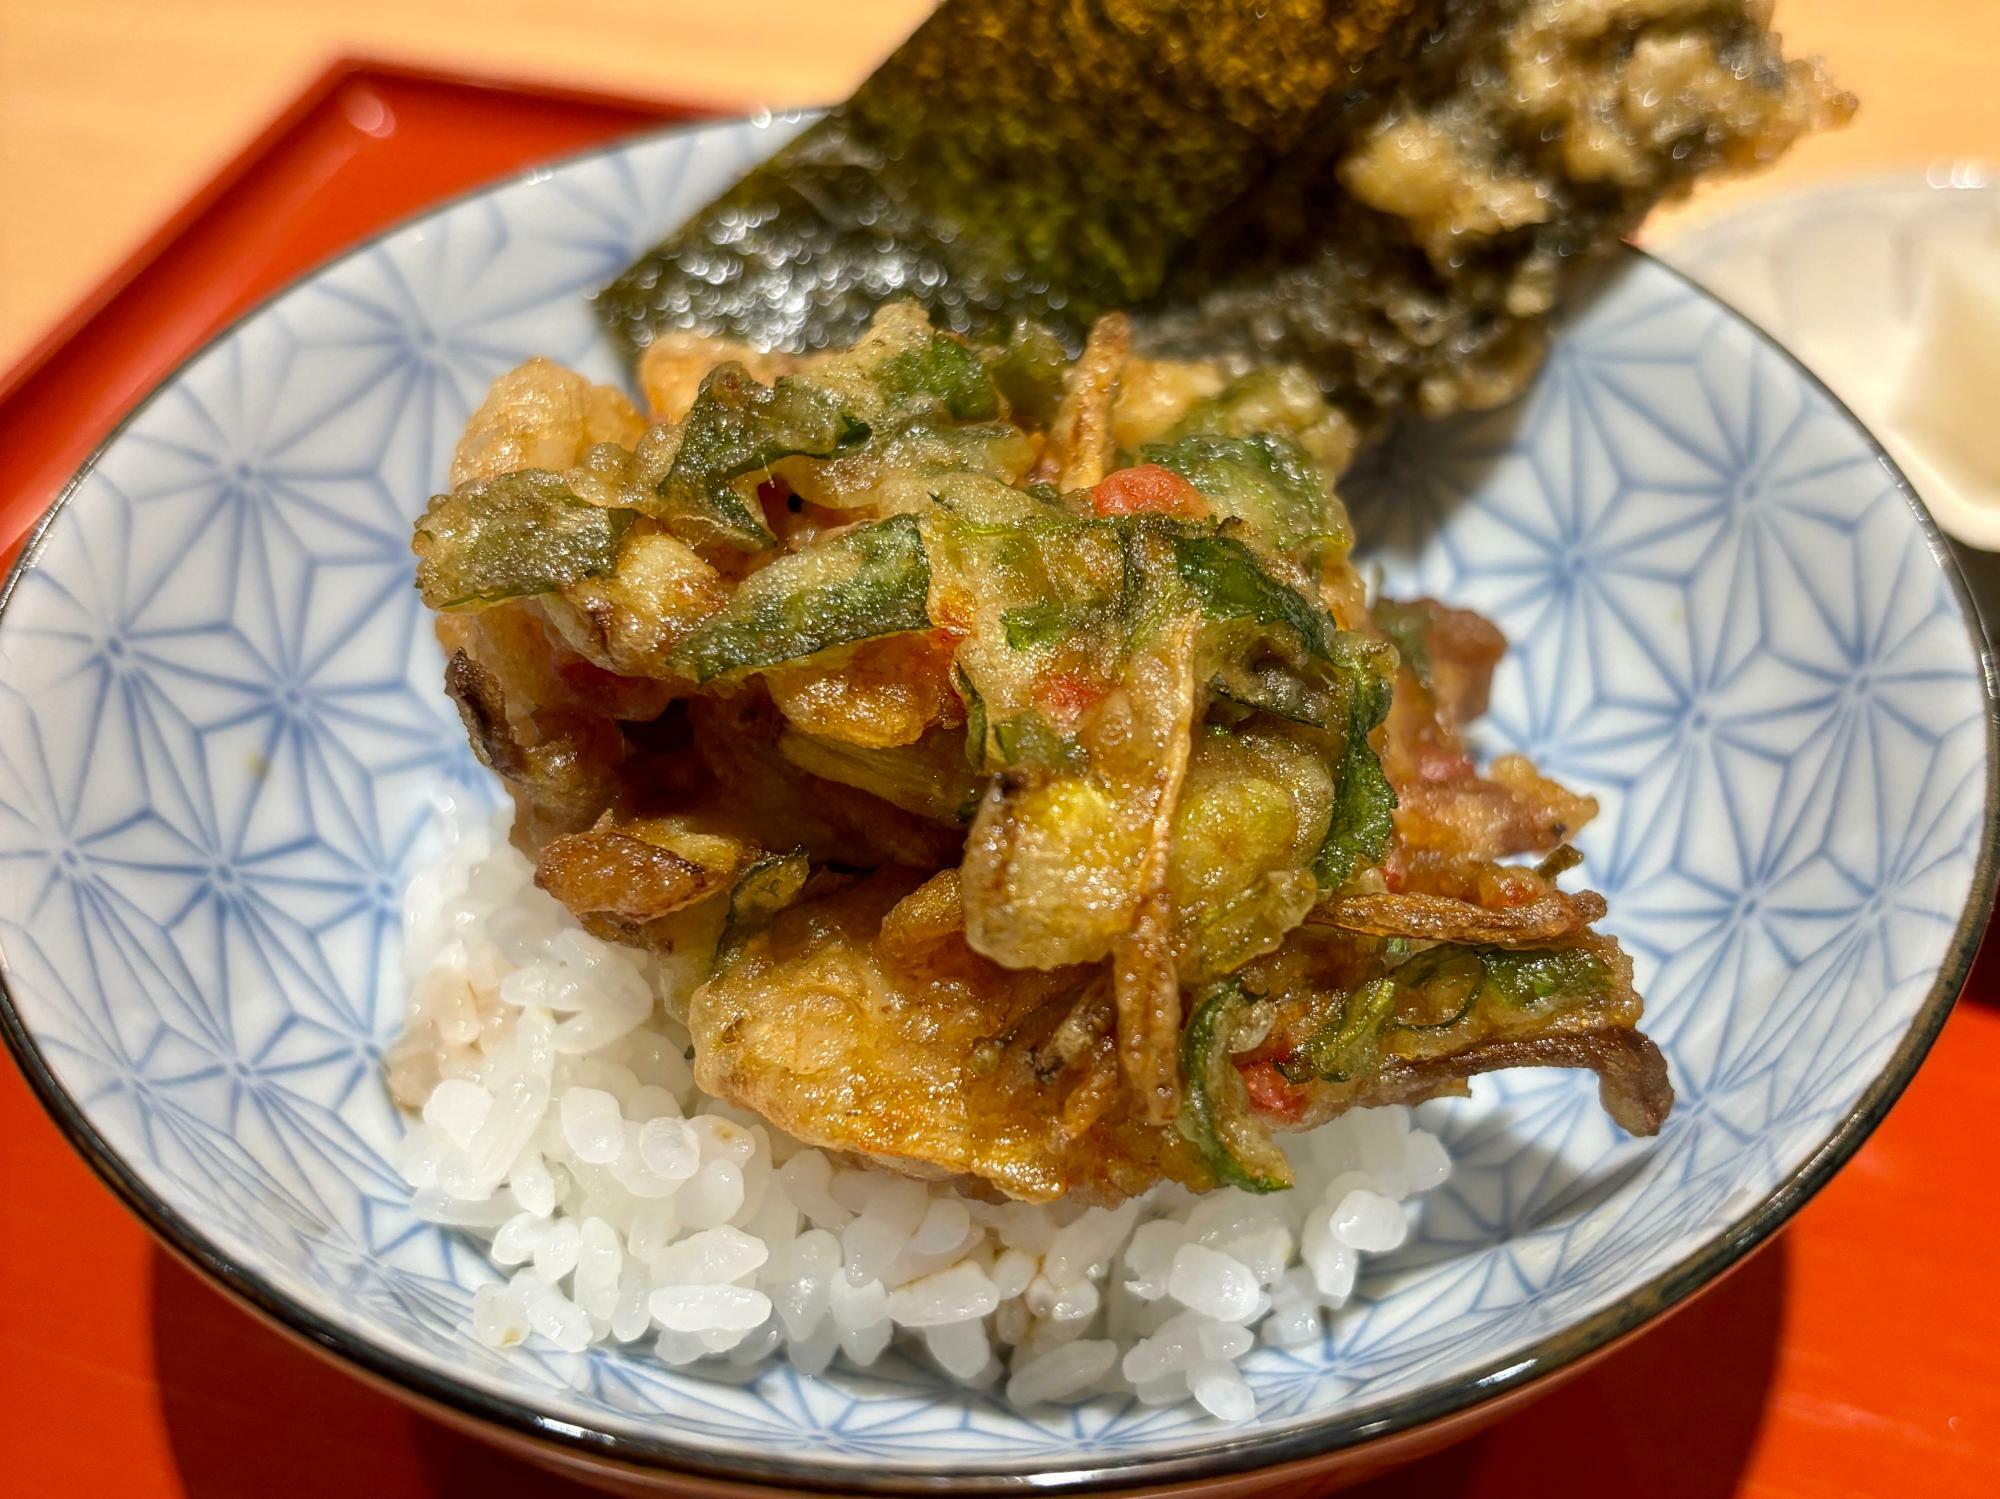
112	111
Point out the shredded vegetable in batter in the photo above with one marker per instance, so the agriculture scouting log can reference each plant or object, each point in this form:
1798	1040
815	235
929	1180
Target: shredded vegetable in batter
1014	744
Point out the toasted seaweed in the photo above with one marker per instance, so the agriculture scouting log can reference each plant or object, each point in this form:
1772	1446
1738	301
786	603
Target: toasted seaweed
1393	194
1037	157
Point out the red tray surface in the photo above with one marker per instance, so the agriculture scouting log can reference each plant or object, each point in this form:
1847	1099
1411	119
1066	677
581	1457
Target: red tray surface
1858	1354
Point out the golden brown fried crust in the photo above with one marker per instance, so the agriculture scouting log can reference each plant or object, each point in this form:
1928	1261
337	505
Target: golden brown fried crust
1443	805
865	1024
1147	990
817	1029
482	708
673	365
562	767
929	916
1007	1006
878	694
540	415
1631	1073
1439	918
623	626
1080	441
783	807
612	871
1511	810
1464	649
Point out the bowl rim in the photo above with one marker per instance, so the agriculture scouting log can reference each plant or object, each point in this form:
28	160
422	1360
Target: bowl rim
1230	1454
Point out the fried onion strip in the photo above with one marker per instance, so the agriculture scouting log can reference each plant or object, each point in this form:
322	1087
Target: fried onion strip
1440	918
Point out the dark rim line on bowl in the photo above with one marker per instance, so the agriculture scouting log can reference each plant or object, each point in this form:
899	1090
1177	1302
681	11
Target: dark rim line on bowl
1230	1454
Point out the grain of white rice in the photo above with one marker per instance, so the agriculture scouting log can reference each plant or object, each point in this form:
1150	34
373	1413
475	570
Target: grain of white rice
1214	1284
1074	1369
709	1308
558	1119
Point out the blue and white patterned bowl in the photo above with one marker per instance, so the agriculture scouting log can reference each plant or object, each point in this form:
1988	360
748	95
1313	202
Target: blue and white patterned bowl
221	730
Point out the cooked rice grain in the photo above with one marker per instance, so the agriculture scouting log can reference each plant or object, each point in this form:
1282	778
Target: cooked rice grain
559	1120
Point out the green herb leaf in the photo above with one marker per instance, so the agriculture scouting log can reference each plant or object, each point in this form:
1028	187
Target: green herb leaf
870	581
764	888
1348	1045
1284	401
1231	583
737	428
939	373
1452	978
1029	741
1030	369
1364	803
512	536
1533	976
1407	627
1267	482
975	720
1215	1109
1032	625
1278	691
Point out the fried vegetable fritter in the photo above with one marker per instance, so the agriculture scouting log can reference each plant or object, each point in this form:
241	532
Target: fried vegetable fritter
1063	833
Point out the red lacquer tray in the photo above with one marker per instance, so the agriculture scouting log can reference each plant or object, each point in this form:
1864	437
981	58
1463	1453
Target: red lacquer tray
1858	1354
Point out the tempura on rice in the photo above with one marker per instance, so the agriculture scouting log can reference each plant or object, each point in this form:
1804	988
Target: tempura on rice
1015	746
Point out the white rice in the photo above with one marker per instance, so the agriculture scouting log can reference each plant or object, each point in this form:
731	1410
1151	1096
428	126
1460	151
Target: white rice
561	1123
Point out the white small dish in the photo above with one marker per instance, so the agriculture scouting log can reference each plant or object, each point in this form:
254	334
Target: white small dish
1875	286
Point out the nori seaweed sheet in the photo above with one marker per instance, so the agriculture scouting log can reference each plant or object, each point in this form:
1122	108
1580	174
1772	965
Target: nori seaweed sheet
1051	158
1301	271
1057	159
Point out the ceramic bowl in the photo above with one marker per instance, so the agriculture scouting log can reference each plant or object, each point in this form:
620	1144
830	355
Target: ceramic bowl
222	735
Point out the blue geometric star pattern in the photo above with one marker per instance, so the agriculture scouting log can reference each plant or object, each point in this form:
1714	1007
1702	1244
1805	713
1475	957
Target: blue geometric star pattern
222	740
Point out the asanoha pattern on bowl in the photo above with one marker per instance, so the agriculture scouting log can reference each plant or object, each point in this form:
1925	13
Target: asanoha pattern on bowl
221	737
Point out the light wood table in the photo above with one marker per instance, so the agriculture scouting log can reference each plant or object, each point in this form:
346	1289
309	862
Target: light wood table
113	111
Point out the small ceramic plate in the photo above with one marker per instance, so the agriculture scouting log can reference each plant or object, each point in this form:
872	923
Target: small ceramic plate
221	733
1856	279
